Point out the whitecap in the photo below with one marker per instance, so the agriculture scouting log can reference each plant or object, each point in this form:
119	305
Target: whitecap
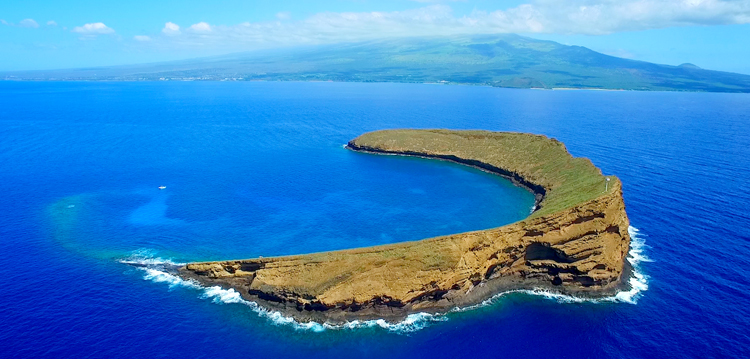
173	281
147	258
218	295
638	281
154	271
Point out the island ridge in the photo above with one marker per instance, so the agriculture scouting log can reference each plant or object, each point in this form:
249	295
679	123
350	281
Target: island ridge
575	241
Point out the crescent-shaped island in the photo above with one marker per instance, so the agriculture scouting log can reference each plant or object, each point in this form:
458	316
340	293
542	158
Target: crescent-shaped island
574	242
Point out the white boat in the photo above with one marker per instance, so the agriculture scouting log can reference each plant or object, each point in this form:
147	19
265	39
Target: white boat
162	187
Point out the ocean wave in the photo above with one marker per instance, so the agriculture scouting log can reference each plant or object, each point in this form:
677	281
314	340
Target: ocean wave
638	281
219	295
155	270
148	258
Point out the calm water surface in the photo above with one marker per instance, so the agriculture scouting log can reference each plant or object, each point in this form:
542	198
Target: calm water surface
259	169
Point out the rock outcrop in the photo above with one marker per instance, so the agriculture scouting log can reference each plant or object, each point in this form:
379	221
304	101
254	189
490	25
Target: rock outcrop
574	243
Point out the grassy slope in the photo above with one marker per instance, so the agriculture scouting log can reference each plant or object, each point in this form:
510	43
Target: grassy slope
496	60
399	269
538	159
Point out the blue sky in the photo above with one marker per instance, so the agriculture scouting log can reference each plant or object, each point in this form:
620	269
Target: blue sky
51	34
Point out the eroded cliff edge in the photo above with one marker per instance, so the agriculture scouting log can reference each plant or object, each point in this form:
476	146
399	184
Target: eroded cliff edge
574	243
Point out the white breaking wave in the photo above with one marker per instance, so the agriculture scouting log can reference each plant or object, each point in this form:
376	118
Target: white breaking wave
146	258
638	281
153	268
219	295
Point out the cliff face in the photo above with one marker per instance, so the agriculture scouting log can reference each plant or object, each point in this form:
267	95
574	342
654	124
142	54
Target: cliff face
579	250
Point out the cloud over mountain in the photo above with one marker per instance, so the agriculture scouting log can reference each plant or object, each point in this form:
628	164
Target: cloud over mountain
592	17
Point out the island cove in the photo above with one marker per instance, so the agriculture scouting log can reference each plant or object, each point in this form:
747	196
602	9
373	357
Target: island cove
575	242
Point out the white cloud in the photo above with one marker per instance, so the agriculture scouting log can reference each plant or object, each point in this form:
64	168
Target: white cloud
539	16
142	38
201	27
28	23
596	17
51	23
619	53
171	28
284	15
22	23
96	28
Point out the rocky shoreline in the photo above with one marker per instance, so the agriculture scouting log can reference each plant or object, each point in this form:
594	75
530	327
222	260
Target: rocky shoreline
514	178
574	243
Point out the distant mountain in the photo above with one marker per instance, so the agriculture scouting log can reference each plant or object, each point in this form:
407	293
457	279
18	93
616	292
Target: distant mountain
494	60
688	65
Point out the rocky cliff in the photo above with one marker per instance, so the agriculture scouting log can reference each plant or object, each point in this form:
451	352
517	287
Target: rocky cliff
574	243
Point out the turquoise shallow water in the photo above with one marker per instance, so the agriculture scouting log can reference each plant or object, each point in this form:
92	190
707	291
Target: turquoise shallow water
258	169
283	205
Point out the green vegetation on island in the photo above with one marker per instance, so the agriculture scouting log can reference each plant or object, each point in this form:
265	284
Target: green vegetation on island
491	60
575	243
545	163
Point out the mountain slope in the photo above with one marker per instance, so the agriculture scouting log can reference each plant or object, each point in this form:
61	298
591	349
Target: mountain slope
495	60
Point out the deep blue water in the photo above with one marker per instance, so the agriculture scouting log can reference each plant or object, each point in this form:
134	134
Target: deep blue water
259	169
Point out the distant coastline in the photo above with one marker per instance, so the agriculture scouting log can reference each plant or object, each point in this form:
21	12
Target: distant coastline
506	61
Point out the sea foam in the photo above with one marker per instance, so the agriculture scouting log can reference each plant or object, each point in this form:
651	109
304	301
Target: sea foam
220	295
156	269
148	258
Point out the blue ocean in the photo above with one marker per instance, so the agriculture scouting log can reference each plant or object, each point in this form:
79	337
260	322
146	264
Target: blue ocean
259	169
